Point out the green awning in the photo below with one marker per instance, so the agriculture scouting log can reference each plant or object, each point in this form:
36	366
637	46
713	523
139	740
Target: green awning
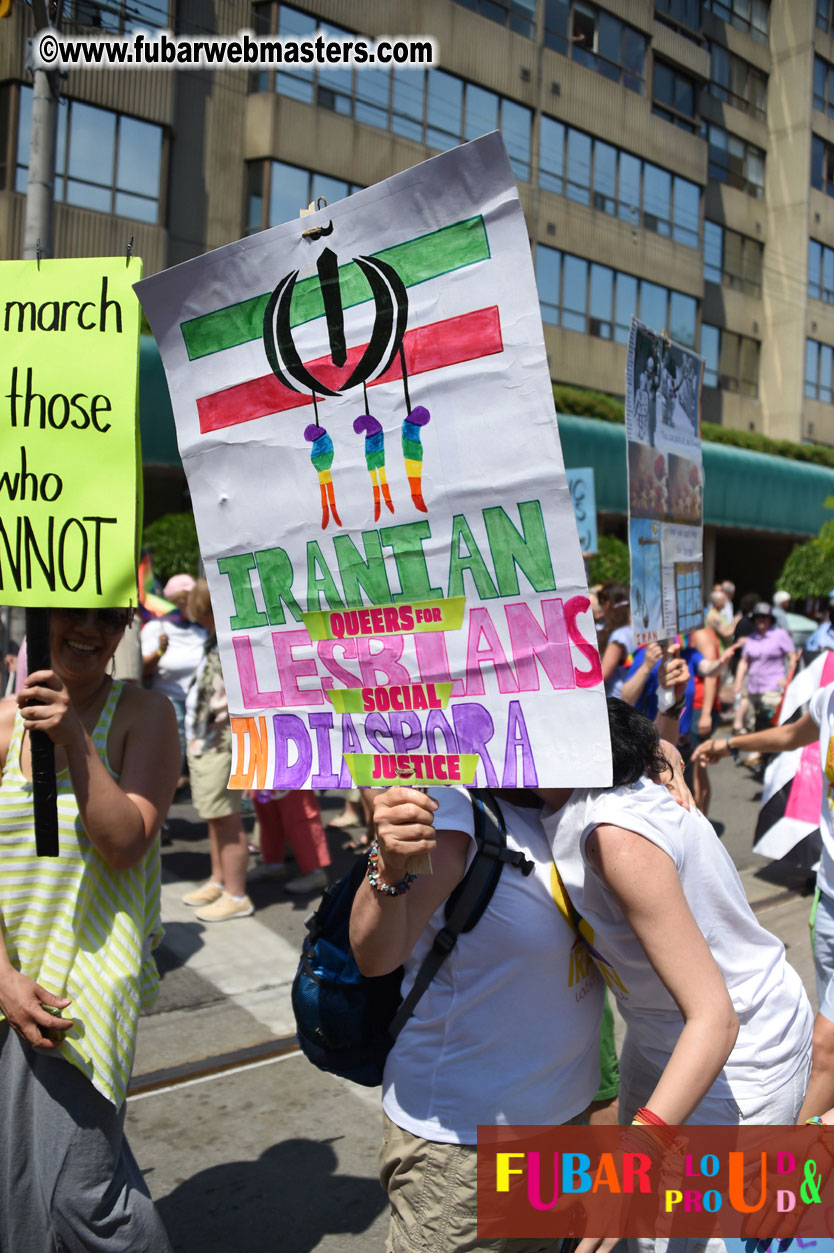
749	490
156	417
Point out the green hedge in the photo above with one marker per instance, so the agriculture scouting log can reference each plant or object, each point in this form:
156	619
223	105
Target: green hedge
611	563
590	404
172	543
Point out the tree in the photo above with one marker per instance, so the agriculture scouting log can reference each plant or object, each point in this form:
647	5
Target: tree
611	563
809	570
172	543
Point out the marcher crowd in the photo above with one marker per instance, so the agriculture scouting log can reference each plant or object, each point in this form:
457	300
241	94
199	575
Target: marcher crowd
719	1029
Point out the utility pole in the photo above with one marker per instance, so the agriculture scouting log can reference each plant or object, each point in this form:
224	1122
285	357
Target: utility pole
38	243
40	191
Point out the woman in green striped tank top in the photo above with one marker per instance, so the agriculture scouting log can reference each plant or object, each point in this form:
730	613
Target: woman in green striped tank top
77	935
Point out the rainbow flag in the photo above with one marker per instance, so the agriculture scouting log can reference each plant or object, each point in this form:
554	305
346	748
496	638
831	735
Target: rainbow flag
151	603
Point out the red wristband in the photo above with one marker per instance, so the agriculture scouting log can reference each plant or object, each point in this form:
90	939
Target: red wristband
650	1119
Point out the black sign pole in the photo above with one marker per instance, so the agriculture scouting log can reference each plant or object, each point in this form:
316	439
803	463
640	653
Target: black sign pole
44	786
38	243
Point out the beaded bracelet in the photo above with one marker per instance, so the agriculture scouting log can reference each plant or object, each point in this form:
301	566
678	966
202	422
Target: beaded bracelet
386	889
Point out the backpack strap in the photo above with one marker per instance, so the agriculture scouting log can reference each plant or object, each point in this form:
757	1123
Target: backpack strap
469	899
475	890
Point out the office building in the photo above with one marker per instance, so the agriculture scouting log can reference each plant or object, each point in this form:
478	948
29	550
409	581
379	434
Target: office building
675	160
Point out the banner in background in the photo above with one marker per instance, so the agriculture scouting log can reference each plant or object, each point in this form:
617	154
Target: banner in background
366	420
665	485
69	465
583	499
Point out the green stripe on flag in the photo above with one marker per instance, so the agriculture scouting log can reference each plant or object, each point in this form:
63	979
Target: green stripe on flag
416	261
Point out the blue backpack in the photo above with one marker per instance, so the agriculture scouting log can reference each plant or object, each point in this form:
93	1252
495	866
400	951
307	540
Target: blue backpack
346	1022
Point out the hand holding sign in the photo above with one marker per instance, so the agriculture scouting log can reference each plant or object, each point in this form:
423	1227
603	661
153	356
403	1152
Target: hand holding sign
404	822
45	706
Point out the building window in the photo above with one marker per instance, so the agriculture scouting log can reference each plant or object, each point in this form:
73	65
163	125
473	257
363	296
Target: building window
825	15
277	191
734	161
429	106
747	15
681	12
820	272
710	336
105	161
673	96
824	86
595	173
123	16
822	165
518	15
8	153
731	361
737	82
732	260
596	39
818	370
592	299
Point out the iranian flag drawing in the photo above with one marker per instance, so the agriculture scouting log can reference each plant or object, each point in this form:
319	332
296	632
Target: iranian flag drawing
365	416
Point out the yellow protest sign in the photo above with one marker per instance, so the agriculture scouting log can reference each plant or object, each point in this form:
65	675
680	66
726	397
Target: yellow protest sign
69	355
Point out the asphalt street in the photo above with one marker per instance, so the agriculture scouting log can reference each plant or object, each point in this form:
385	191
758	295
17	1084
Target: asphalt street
244	1144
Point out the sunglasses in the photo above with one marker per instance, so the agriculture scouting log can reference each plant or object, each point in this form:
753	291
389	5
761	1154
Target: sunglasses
109	620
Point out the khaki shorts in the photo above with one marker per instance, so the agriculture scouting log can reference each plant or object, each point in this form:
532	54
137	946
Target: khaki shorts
432	1189
209	774
763	703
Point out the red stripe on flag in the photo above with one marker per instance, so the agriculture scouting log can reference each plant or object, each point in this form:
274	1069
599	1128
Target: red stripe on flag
465	338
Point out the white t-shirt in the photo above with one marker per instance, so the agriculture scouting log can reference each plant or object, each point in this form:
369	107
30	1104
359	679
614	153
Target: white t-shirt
775	1018
180	659
821	710
624	636
508	1030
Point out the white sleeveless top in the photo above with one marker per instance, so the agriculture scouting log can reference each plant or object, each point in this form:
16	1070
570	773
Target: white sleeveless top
508	1030
775	1018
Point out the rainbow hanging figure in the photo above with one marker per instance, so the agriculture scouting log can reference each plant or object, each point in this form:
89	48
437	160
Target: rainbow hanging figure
375	459
413	453
371	363
321	455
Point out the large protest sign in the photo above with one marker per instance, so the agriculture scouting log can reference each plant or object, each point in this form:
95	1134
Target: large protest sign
665	485
69	361
412	604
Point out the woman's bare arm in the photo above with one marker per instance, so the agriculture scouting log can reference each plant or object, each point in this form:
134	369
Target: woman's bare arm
612	657
645	883
780	739
8	710
121	818
384	929
632	688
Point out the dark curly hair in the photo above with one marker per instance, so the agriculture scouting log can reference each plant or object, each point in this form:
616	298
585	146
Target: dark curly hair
635	744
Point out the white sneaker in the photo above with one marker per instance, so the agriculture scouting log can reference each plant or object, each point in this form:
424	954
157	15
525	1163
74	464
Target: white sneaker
314	881
225	909
206	894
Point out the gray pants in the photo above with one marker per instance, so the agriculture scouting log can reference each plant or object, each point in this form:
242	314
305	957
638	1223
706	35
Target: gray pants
68	1180
823	939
